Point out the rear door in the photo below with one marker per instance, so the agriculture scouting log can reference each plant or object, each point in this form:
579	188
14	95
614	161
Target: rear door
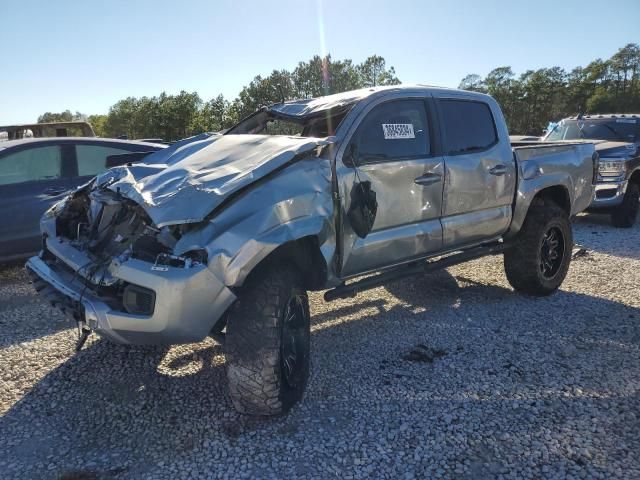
32	178
395	150
480	172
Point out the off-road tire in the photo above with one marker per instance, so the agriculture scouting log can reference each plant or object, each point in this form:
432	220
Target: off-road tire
523	263
255	346
625	214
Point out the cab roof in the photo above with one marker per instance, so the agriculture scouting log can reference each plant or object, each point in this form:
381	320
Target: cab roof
314	106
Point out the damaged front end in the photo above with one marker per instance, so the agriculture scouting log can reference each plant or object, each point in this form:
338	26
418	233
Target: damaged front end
149	253
107	266
109	227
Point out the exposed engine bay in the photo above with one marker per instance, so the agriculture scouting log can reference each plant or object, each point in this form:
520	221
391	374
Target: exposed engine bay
106	226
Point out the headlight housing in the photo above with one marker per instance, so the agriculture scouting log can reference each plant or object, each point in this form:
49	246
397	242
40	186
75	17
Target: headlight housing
611	167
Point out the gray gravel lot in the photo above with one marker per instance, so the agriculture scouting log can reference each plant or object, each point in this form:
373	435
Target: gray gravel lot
526	388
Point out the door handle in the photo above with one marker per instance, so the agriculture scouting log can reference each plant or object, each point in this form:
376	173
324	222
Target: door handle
53	191
498	170
428	179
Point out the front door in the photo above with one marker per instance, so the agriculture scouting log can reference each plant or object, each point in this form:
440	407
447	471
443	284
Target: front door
480	173
393	150
31	180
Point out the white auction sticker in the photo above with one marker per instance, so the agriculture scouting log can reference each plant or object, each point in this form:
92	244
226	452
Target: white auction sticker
625	120
396	131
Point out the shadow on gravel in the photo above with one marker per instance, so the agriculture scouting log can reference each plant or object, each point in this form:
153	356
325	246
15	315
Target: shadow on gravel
121	402
437	288
595	232
110	403
24	316
12	272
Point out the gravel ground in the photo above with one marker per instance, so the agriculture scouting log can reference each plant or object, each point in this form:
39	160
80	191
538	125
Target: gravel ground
519	387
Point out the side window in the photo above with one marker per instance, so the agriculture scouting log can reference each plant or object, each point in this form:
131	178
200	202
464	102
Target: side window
468	126
31	164
394	130
92	158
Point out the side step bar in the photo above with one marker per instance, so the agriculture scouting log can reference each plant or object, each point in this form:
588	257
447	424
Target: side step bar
412	269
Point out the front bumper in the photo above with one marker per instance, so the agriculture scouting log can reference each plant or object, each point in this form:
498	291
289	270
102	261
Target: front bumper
188	302
608	194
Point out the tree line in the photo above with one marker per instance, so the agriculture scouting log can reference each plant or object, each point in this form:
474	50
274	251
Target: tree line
172	117
528	101
536	97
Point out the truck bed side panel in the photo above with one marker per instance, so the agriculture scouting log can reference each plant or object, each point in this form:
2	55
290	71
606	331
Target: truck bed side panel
542	166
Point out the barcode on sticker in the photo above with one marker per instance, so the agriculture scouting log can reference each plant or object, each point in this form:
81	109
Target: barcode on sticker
394	131
625	120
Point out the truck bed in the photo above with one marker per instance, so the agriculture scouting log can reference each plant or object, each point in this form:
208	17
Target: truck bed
571	165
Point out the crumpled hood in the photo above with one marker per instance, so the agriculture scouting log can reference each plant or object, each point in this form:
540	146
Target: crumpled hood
615	149
198	175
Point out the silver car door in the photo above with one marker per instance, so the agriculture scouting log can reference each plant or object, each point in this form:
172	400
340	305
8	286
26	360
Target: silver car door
393	149
480	172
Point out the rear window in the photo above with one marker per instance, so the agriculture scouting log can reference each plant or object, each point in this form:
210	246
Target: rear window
468	126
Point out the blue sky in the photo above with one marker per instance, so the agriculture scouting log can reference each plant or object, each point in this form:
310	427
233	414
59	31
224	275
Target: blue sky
85	55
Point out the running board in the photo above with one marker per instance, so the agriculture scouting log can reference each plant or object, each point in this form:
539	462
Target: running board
412	269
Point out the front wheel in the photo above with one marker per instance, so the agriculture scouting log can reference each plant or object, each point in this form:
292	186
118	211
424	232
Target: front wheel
538	262
625	214
267	342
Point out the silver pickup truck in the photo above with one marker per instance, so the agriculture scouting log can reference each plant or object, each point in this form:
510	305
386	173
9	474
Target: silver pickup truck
223	235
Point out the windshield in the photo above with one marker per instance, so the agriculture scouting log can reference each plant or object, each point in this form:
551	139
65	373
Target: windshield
266	122
613	129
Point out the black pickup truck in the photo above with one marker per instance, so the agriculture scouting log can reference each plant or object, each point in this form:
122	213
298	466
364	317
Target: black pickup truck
618	144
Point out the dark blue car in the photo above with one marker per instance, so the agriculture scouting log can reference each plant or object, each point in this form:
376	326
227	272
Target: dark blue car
35	173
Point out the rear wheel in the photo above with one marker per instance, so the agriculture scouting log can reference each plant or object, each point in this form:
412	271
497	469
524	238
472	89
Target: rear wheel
538	262
624	215
268	342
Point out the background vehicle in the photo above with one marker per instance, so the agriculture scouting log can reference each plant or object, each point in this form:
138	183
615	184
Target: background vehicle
36	173
224	235
51	129
618	187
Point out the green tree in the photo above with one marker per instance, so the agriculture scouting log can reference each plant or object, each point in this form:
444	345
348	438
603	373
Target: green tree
172	117
373	72
212	117
65	116
99	123
263	91
542	98
473	82
121	119
324	76
539	96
